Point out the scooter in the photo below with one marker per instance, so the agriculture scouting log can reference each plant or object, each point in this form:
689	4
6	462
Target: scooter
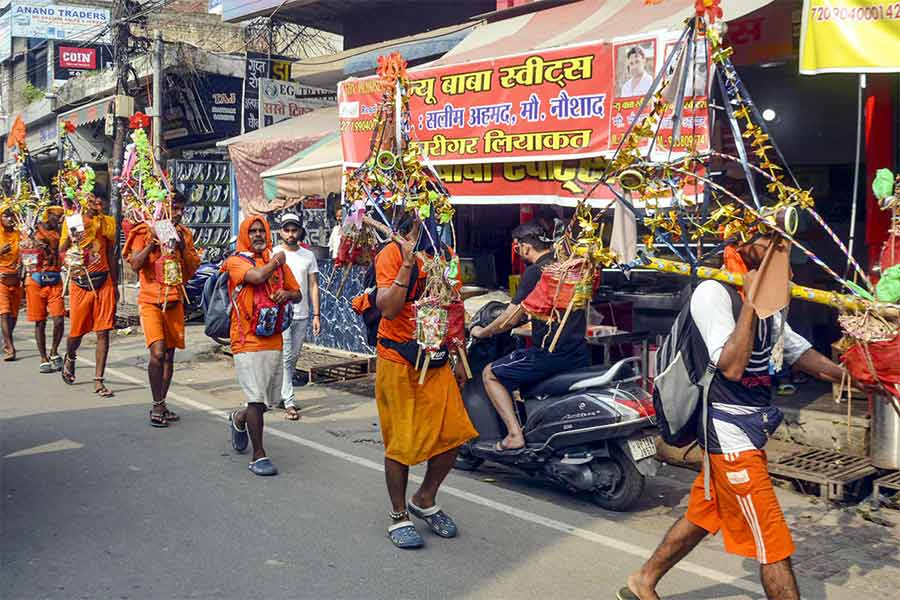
589	430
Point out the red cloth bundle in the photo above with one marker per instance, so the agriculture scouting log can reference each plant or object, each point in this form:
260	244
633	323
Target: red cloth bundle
550	293
456	324
885	359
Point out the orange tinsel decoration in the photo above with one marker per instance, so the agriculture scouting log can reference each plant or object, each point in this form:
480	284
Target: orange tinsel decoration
710	9
391	68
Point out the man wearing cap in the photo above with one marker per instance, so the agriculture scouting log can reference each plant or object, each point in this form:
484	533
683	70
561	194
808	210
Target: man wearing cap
44	290
303	265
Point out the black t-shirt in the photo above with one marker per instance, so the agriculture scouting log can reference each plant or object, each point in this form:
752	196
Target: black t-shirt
572	337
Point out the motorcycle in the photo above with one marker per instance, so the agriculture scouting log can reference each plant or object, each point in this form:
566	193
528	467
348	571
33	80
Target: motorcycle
194	289
589	430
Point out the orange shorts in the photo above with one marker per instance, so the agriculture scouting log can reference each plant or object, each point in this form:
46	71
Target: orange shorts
743	506
10	299
43	301
92	310
165	326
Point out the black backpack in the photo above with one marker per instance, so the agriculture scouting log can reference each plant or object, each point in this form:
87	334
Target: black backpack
684	374
372	316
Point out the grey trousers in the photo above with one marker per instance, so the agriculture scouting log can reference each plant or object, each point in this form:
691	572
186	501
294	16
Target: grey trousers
293	338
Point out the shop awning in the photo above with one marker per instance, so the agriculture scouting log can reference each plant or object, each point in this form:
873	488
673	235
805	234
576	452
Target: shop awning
326	71
314	171
259	151
579	23
89	113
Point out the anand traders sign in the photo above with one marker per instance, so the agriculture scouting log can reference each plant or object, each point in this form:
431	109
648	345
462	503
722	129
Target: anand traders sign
59	22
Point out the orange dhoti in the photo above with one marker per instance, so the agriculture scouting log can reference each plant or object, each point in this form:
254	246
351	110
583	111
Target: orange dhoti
160	325
44	301
91	310
10	299
419	422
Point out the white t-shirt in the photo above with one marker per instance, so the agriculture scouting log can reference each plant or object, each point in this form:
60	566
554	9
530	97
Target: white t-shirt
638	89
334	241
714	319
303	264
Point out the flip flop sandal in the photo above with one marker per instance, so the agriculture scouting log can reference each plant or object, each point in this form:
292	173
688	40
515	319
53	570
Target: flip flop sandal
68	375
46	368
171	417
498	448
263	467
158	420
239	437
786	389
56	362
9	356
405	536
102	391
438	521
626	594
291	414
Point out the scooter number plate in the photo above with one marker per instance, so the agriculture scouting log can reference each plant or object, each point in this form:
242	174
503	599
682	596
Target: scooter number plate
642	448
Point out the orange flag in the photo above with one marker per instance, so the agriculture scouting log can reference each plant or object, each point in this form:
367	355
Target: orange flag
16	133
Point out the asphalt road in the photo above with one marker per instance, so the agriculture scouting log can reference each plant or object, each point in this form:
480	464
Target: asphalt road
97	504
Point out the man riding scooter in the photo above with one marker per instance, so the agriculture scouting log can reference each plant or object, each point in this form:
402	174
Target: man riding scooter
528	366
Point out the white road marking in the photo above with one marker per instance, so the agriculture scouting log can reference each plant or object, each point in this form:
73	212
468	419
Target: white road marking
524	515
57	446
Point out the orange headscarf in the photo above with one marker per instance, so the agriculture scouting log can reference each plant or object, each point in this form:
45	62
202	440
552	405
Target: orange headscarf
733	260
243	241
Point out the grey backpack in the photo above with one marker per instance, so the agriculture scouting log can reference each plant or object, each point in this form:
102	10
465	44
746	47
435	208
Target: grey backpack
684	374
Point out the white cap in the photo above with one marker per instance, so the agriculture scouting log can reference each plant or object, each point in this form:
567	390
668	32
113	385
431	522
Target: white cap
289	218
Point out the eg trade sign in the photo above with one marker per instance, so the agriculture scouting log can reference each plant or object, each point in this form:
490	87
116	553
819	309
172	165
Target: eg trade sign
59	22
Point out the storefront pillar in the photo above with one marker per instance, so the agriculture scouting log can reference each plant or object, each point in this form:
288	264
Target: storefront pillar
879	147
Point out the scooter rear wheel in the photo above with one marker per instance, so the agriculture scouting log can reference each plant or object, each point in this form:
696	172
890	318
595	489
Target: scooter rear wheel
626	490
465	461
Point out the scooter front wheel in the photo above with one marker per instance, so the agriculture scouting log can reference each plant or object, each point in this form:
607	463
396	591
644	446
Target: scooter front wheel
625	482
465	461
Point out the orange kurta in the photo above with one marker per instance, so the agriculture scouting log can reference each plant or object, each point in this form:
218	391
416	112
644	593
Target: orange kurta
93	310
47	300
160	307
418	422
10	286
243	337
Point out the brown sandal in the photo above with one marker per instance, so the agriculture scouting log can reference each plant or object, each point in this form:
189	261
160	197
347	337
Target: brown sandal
171	417
102	390
68	369
291	414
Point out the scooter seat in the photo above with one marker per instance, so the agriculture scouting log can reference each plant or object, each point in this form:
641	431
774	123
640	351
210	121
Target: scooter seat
561	383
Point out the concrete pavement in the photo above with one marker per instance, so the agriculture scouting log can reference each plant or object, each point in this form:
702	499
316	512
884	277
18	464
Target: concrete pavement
97	504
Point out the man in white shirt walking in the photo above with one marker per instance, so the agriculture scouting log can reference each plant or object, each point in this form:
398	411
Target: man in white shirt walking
305	269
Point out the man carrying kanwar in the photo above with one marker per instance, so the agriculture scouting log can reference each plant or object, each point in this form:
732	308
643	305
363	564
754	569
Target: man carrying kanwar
740	499
419	423
263	290
89	260
160	303
44	290
10	280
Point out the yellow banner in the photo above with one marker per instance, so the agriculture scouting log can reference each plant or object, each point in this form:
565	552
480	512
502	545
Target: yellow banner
850	36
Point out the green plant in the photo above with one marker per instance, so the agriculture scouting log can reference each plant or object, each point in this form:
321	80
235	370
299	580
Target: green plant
31	93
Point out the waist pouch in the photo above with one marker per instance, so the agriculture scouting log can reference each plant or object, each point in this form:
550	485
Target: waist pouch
9	279
91	281
410	353
45	278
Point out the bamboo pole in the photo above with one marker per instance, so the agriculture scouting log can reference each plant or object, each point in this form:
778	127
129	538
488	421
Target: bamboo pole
833	299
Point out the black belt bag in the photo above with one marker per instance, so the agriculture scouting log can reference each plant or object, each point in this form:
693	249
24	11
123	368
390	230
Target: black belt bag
410	352
91	281
45	278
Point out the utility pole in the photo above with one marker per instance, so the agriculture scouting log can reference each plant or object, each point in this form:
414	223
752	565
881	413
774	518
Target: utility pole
157	96
120	33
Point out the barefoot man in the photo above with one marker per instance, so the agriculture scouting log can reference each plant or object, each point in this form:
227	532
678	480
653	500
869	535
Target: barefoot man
44	291
161	305
92	290
10	282
741	501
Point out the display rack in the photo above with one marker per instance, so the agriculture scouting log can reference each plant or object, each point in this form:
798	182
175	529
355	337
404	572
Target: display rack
207	186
